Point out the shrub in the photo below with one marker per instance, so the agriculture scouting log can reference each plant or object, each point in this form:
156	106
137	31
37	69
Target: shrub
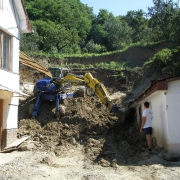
111	65
161	58
91	47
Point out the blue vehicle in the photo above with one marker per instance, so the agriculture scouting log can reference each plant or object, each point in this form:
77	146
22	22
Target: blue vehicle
54	89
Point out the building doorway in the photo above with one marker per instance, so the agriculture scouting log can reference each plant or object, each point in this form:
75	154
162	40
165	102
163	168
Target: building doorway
140	115
1	117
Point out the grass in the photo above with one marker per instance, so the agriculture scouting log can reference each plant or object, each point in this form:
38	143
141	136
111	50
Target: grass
87	55
45	55
80	66
162	58
112	65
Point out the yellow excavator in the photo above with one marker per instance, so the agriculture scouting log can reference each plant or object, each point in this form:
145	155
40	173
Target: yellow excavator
98	88
50	88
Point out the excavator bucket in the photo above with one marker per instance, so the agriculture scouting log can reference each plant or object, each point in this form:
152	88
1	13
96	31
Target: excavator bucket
26	60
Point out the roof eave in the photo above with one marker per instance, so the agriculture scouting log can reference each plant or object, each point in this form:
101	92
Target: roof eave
25	26
156	86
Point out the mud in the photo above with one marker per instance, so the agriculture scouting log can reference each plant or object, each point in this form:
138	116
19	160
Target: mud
88	142
86	125
86	121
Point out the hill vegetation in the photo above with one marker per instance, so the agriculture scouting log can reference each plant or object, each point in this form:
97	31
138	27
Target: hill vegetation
70	27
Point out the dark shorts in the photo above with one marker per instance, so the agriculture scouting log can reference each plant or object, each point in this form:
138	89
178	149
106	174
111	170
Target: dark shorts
147	130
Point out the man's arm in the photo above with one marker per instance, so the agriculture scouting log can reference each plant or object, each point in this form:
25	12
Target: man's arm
142	123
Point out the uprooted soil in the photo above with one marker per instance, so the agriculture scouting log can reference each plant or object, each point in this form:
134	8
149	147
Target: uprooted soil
88	142
86	123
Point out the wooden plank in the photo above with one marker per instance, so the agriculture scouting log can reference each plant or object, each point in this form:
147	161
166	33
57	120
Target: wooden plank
15	144
26	60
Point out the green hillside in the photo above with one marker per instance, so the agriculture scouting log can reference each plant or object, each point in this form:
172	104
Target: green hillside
70	27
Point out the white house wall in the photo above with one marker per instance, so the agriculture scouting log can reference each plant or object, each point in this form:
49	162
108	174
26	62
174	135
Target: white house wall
9	23
10	110
15	56
9	80
173	110
158	105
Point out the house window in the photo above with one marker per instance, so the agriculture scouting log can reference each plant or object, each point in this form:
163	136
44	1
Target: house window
4	51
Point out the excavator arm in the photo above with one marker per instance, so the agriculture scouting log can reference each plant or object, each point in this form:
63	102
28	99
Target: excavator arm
88	80
99	90
91	82
71	78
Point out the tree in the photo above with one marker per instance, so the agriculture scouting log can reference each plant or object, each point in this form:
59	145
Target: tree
60	24
30	41
91	47
118	33
55	37
98	32
163	19
137	21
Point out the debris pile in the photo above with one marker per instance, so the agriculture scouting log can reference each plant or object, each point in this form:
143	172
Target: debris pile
87	126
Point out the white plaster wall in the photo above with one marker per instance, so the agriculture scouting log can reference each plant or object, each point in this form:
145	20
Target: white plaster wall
10	111
173	110
10	80
158	105
9	22
159	122
15	56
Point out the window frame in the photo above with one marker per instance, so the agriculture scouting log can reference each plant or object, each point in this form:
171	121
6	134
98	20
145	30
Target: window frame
8	54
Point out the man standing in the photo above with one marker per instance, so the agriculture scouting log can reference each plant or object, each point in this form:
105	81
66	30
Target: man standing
146	125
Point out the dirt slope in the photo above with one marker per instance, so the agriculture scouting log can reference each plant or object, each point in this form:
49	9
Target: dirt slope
88	142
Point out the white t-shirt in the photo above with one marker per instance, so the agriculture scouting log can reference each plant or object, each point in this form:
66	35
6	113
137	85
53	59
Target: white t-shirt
149	116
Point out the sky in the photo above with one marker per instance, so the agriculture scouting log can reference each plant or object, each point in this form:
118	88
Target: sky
118	7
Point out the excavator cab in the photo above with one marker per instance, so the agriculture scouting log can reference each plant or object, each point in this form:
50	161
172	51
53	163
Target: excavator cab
58	72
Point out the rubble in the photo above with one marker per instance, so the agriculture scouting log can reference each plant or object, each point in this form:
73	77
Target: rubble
85	124
170	157
84	141
26	146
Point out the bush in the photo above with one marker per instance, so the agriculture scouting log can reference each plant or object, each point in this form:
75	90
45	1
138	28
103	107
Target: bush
91	47
161	58
111	65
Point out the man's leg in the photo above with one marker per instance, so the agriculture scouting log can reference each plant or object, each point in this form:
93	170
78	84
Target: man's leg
149	141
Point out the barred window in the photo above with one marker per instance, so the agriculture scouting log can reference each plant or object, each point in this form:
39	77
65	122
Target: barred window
5	44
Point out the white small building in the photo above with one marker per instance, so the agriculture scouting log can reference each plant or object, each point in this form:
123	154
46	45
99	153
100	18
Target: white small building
13	22
164	99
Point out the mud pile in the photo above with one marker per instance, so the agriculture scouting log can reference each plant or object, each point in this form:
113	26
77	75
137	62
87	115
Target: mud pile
29	75
87	126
